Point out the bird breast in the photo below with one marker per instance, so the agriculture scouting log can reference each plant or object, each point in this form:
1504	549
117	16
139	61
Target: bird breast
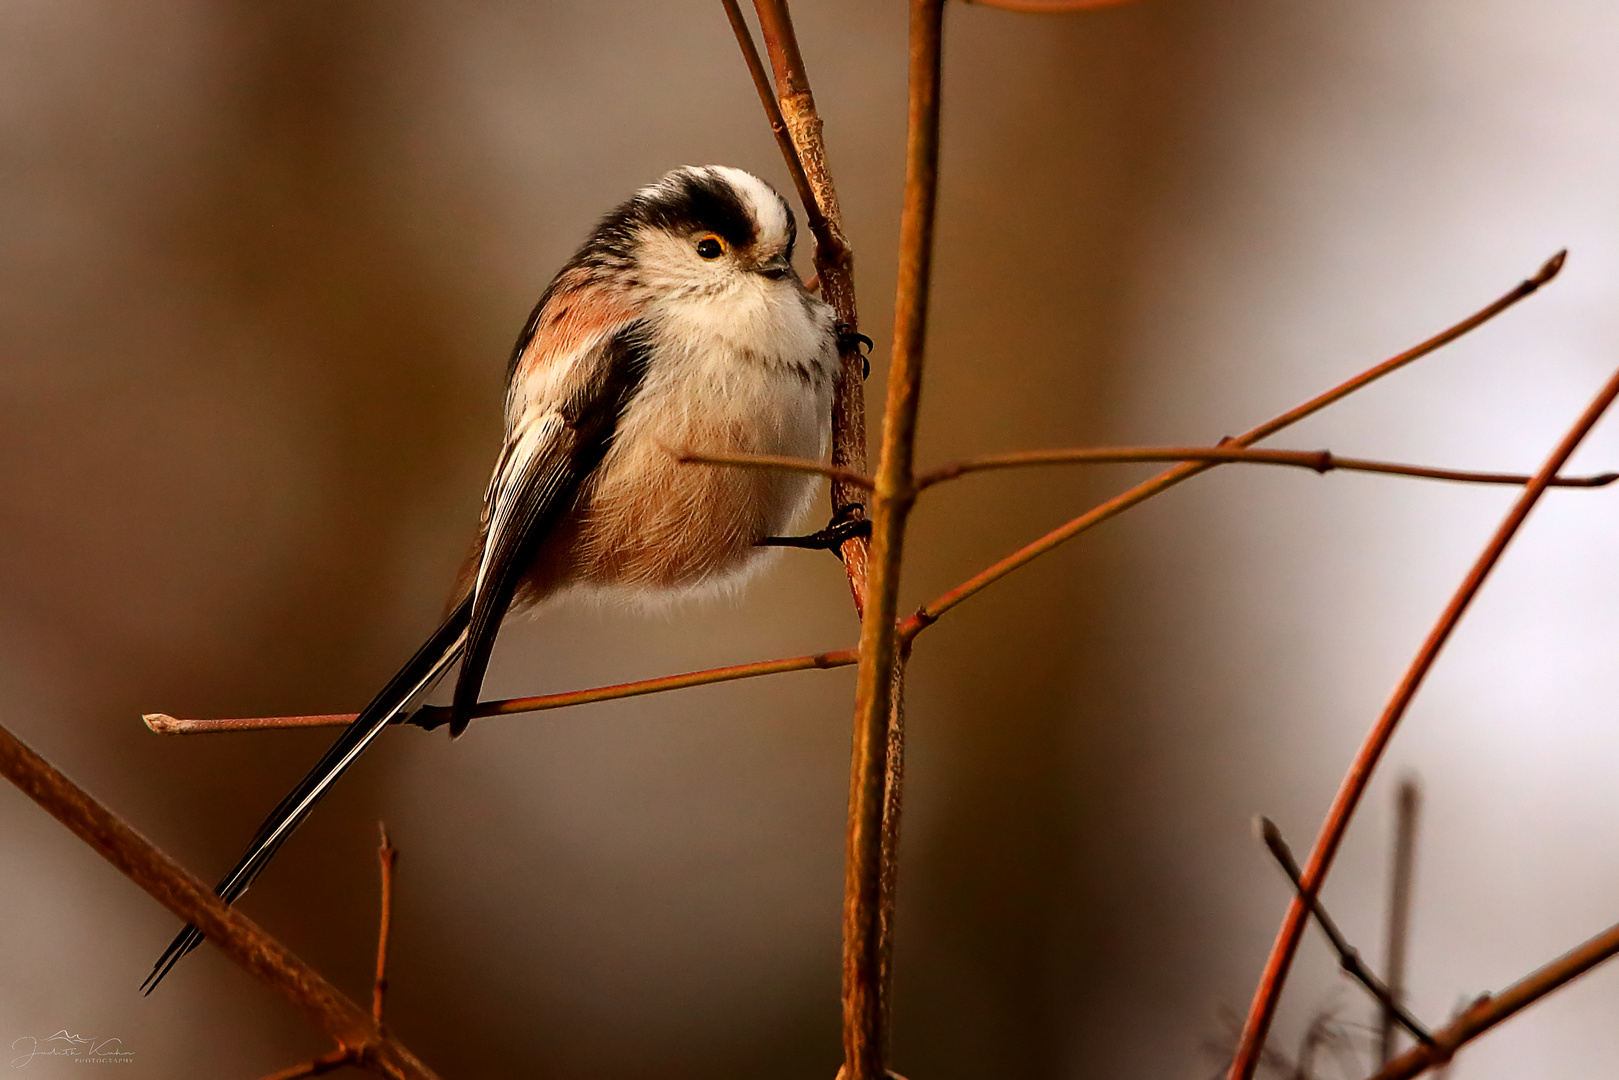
747	372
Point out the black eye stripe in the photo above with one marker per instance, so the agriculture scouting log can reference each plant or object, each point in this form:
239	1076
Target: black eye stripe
687	203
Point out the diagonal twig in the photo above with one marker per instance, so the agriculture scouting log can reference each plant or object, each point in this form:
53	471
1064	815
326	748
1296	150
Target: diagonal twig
318	1066
1348	957
1167	479
232	932
1046	7
1269	990
1489	1010
814	217
431	717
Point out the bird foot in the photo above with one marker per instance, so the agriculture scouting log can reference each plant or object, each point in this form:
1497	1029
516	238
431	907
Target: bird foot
848	522
849	338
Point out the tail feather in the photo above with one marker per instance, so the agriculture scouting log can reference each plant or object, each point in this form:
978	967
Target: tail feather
418	675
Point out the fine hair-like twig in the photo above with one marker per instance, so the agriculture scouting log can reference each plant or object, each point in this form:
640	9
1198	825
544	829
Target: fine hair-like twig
1269	990
1348	956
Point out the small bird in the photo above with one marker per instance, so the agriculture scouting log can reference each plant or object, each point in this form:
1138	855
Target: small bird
680	323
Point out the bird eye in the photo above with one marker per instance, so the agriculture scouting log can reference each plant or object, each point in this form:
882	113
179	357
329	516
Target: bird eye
710	246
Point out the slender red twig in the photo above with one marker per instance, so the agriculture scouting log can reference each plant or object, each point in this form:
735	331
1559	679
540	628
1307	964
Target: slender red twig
319	1066
388	857
228	929
434	717
1320	461
1047	7
1354	784
772	461
1489	1010
1167	479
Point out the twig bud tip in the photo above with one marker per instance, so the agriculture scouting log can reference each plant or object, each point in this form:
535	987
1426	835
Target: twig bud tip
162	723
1550	268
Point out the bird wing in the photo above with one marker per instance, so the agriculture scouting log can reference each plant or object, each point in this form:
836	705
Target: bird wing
562	418
577	362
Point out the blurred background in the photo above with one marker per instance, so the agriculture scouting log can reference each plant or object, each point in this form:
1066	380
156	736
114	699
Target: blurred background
260	268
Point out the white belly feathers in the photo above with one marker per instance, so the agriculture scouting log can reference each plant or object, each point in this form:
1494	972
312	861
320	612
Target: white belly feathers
650	522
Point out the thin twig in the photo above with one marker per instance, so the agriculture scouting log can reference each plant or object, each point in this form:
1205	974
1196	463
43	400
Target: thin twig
1489	1011
1407	803
1046	7
1167	479
834	258
320	1066
813	216
233	933
388	857
164	724
1321	461
1354	783
1348	957
864	1019
432	716
772	461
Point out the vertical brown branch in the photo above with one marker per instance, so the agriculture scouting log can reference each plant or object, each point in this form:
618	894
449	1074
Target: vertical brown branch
805	152
863	1014
888	857
1407	802
1269	991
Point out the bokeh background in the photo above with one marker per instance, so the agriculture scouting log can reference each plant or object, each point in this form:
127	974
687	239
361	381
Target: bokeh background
260	266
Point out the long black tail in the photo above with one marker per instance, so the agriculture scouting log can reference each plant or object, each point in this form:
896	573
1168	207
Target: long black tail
427	665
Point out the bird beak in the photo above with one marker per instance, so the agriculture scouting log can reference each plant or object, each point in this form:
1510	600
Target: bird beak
775	268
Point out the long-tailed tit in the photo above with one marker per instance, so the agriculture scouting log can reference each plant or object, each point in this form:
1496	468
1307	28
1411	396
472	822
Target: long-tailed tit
680	323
